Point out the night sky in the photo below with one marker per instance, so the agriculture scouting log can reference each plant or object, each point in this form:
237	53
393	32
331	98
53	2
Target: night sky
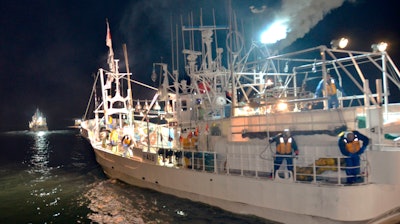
50	49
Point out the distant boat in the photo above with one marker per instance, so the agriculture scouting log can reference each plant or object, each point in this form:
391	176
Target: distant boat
77	123
38	122
207	140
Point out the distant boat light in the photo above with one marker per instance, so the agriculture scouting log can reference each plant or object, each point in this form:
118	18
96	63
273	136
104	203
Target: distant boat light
277	31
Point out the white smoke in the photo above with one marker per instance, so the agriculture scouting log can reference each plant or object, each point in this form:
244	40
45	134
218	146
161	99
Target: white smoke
303	15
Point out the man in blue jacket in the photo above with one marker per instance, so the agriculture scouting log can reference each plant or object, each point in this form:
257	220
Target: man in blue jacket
350	146
285	147
331	87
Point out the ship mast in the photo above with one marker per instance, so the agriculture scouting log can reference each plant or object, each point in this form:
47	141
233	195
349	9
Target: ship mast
130	105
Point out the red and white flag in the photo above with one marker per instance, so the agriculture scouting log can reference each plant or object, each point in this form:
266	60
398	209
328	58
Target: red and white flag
108	36
110	59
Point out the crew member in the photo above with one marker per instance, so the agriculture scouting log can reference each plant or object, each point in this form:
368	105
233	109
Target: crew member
126	142
114	140
330	91
285	147
350	146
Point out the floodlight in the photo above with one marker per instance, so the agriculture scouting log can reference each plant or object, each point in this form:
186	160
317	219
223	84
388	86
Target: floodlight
339	43
381	47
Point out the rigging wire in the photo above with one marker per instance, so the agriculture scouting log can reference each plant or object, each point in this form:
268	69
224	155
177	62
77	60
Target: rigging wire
91	95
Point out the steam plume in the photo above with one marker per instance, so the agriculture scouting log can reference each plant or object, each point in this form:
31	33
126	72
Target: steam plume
303	15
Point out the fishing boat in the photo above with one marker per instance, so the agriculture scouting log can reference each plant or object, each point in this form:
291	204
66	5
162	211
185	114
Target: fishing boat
204	135
38	122
77	124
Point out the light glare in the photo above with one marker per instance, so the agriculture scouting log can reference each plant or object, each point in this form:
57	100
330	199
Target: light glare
277	31
340	43
343	42
282	106
381	47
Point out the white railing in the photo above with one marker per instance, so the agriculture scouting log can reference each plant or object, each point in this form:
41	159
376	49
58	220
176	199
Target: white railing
326	170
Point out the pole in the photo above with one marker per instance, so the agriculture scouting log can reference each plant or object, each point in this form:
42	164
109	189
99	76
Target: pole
128	74
324	77
385	85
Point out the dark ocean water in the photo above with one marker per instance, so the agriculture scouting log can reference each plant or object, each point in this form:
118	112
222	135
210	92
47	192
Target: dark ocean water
54	178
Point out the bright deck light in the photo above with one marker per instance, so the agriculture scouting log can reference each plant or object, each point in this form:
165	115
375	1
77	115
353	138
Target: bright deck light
282	107
381	47
277	31
339	43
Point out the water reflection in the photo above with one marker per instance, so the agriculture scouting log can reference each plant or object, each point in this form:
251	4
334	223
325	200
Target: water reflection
44	189
54	178
43	176
40	156
109	206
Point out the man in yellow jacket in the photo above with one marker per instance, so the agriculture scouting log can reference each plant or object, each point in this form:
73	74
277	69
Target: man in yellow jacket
114	140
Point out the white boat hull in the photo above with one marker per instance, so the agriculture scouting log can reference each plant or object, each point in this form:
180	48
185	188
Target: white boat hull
273	200
39	128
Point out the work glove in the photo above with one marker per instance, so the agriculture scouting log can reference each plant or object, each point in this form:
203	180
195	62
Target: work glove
296	154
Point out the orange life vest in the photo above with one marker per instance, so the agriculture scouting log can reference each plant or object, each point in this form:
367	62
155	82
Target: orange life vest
127	140
284	147
354	146
331	87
